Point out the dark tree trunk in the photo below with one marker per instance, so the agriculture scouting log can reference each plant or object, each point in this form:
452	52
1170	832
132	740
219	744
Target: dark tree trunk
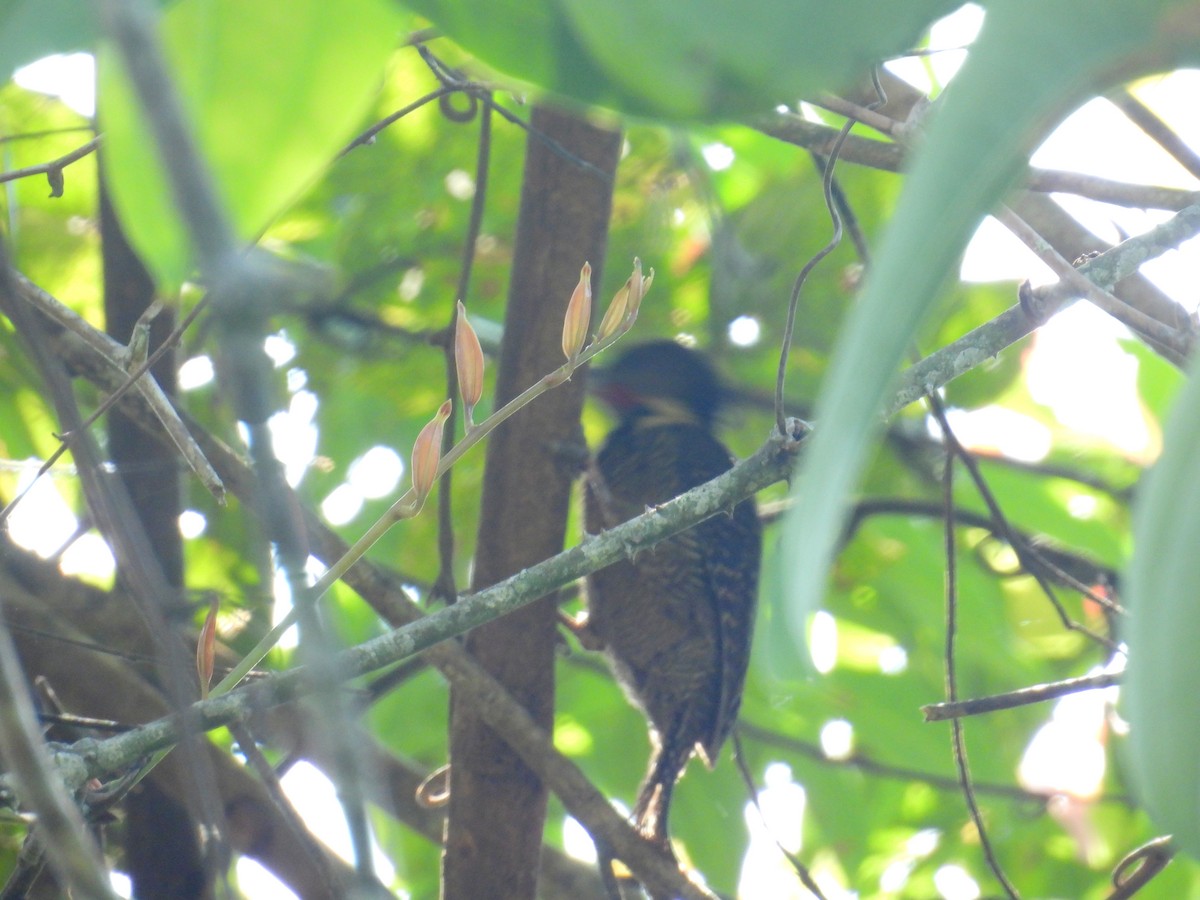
497	805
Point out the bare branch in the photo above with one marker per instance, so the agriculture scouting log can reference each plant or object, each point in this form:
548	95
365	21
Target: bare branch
135	377
891	157
53	169
1010	326
1173	343
500	711
1159	131
1038	693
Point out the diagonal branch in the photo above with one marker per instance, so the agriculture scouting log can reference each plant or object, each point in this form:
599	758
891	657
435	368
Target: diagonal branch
136	377
53	170
385	594
1037	693
984	342
1171	342
891	157
770	464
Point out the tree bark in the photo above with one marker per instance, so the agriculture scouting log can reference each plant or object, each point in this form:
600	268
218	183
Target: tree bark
497	804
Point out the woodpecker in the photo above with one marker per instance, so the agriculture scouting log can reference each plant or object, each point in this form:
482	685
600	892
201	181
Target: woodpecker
675	621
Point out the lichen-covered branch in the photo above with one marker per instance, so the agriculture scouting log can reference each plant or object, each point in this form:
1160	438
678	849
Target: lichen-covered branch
984	342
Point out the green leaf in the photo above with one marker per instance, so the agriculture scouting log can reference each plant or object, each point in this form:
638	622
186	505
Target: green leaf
720	58
272	91
31	29
529	39
1159	692
709	59
1158	381
1017	81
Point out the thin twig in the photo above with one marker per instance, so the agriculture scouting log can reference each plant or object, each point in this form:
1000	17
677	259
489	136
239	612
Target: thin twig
1055	563
789	326
850	221
1029	550
801	870
862	114
956	449
891	157
871	766
389	681
835	239
1038	693
53	169
957	736
452	78
914	437
1106	190
136	377
368	136
1159	131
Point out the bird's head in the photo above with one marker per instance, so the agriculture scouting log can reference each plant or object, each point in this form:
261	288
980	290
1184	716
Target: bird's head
660	383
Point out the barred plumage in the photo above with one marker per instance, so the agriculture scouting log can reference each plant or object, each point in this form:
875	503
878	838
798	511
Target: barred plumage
676	621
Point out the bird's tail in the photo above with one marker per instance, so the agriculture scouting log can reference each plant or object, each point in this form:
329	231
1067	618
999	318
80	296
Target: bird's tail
654	797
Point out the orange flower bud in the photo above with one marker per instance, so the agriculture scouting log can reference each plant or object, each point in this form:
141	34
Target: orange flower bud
206	647
614	316
638	286
427	451
579	314
468	360
626	302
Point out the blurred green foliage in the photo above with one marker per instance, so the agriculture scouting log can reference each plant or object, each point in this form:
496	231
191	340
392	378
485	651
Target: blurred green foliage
388	219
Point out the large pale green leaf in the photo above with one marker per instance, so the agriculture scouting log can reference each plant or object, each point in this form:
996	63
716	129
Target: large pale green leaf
1018	79
30	29
699	59
273	90
1160	692
711	57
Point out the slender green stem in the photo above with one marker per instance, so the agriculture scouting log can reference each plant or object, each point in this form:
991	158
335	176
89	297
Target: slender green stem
410	504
